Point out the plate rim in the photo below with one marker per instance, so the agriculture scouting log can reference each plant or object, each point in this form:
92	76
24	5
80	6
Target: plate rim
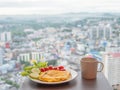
41	82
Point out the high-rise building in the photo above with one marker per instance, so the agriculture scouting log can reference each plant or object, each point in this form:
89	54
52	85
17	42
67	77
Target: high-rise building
107	32
36	56
29	56
98	32
5	36
93	32
24	57
1	56
112	66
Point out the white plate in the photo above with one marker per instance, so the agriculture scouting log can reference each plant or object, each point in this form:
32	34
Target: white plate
73	73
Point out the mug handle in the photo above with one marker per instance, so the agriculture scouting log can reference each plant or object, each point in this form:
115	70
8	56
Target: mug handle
101	67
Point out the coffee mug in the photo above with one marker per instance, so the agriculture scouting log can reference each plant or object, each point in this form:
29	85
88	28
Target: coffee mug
89	67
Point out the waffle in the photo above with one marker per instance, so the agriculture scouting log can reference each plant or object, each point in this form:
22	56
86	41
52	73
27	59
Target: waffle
54	76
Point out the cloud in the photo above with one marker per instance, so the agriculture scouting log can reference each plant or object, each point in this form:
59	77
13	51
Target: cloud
57	6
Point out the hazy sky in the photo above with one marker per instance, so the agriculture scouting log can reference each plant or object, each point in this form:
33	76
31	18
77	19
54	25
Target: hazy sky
16	7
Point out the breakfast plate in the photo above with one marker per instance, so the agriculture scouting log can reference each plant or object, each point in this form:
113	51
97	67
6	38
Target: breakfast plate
73	76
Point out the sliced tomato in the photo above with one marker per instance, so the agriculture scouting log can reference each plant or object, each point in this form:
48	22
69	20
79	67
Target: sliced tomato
50	67
55	68
61	67
46	68
42	69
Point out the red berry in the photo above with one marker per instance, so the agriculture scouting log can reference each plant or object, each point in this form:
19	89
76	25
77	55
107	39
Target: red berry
55	68
46	68
42	69
50	67
61	67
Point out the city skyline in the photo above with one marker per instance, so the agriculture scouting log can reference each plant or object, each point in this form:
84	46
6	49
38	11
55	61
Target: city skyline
50	7
62	39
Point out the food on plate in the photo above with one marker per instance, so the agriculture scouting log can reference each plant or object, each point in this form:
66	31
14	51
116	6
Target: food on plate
34	75
54	76
41	71
35	70
61	68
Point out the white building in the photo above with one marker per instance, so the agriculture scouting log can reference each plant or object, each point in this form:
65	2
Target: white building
93	32
1	56
24	57
104	32
30	56
5	36
112	67
35	56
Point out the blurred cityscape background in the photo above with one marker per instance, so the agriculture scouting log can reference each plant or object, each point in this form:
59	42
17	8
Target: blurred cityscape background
63	38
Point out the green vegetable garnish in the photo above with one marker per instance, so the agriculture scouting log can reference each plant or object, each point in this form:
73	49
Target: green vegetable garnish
34	68
24	73
28	68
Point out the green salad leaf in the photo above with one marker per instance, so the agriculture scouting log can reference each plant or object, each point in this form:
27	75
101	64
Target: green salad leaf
27	70
24	73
